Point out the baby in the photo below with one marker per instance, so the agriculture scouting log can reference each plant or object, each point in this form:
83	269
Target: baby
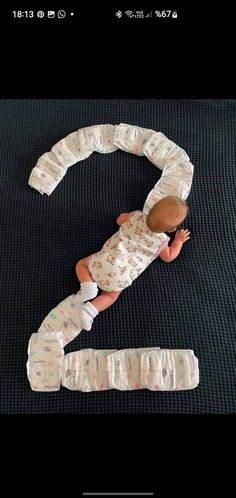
140	239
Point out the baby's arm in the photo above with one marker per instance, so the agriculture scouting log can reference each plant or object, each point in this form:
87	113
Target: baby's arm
171	252
124	217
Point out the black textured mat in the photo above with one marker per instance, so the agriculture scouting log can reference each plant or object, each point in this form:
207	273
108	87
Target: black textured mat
189	303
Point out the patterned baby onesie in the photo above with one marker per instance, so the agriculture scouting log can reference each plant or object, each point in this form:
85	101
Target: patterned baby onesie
126	254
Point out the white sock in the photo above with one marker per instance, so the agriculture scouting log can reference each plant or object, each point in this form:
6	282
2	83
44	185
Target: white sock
88	290
87	314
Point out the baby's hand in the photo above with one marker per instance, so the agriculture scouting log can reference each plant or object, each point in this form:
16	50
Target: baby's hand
182	235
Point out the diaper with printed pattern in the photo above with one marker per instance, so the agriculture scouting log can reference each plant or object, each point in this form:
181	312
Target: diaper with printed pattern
45	359
169	370
124	369
86	370
65	317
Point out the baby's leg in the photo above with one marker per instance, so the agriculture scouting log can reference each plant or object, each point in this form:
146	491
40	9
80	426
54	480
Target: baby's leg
82	271
88	288
105	300
91	309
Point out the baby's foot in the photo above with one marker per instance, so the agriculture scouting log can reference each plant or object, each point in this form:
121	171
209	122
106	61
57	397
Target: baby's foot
88	290
87	313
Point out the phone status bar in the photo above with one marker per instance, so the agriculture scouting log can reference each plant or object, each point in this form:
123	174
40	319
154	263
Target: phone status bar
107	14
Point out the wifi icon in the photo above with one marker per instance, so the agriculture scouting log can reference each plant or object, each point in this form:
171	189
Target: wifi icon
129	13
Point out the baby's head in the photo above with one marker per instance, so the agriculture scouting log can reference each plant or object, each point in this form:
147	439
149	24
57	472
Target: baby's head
167	214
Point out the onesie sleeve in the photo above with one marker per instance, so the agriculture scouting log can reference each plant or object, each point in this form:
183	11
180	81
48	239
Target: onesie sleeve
133	212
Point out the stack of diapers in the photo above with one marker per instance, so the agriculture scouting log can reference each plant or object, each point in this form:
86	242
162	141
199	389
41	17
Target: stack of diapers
177	174
98	370
52	166
154	369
